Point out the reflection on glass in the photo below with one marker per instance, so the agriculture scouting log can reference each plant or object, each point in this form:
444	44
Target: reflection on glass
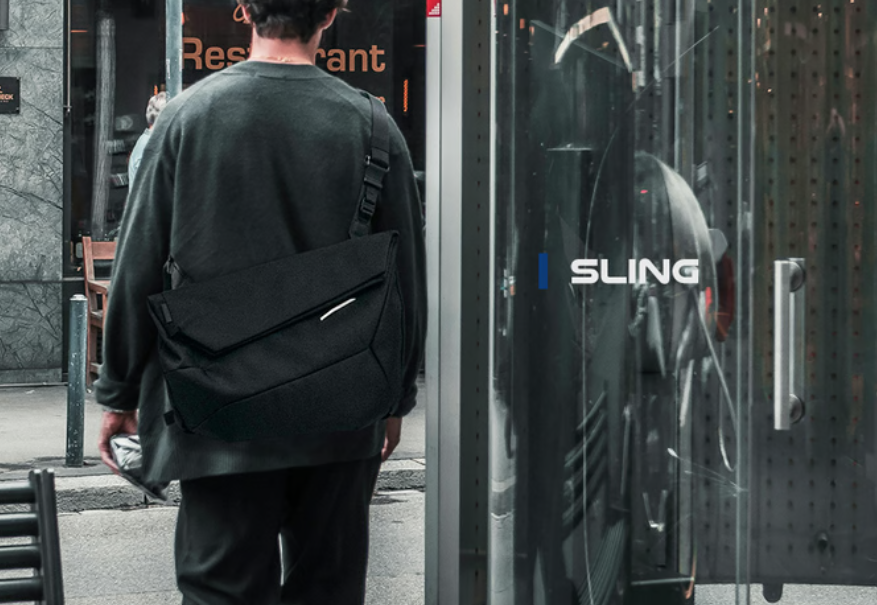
117	64
104	112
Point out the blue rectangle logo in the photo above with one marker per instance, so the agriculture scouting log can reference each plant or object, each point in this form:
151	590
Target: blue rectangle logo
543	271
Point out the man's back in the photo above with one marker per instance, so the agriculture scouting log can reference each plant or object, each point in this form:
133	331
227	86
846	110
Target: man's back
261	161
255	163
270	161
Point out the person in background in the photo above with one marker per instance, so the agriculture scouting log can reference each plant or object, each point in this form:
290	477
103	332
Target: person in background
156	104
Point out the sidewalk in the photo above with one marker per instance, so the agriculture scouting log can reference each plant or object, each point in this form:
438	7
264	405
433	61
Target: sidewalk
126	556
33	434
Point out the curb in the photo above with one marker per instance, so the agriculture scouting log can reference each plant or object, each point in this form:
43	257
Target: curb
106	491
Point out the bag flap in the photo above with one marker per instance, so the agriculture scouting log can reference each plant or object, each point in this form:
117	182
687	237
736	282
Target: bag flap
230	310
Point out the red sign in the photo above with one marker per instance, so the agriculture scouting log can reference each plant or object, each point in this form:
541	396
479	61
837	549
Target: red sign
433	8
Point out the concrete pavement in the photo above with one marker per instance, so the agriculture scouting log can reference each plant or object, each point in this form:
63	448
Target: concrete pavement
116	549
126	556
33	429
796	594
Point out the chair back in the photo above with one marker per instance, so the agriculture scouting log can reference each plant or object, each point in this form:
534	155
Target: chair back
28	510
92	251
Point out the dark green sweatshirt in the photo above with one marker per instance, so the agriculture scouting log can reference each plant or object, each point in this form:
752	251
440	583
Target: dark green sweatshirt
254	163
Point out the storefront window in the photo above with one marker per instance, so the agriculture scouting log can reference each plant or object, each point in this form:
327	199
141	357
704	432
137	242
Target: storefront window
117	55
117	64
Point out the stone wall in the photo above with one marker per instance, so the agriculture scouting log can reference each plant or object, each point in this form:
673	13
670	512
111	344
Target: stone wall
31	195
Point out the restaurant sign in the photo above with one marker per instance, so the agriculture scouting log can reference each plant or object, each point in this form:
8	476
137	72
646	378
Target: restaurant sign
358	47
10	101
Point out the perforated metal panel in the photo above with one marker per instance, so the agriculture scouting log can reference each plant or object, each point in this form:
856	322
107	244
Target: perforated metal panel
815	487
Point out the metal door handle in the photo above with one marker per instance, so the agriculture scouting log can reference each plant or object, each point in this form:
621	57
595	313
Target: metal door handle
788	339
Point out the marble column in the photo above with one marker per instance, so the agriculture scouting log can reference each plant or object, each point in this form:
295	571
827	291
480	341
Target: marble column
31	195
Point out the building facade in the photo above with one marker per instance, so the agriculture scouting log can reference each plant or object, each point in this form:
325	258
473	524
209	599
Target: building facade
32	57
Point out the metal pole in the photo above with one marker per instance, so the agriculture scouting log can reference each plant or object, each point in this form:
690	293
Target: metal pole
76	380
174	47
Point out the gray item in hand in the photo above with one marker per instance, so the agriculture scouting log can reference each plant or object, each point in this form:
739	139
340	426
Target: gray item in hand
128	456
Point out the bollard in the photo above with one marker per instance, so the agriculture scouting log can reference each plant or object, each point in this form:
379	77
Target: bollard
76	380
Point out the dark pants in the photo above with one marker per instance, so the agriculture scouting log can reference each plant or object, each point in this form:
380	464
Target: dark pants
227	536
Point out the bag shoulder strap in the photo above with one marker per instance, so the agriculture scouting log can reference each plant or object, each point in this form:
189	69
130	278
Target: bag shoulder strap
377	164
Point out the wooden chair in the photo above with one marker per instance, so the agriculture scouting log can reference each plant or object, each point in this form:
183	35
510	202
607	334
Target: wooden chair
96	291
39	524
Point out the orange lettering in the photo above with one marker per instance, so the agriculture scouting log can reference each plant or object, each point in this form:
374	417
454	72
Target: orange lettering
215	58
375	53
236	54
337	60
358	53
196	55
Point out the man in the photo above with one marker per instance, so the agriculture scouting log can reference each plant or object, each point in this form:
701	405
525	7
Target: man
257	162
155	106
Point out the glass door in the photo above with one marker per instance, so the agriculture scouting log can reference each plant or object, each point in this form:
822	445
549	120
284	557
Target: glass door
621	402
652	162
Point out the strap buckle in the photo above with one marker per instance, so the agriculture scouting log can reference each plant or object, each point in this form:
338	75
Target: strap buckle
368	203
380	164
375	169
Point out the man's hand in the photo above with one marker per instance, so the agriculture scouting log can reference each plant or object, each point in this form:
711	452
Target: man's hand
394	434
114	423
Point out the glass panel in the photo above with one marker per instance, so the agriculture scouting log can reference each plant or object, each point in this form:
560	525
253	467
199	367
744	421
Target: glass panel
117	64
635	458
621	400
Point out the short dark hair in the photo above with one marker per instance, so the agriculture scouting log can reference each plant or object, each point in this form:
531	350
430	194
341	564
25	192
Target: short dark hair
290	19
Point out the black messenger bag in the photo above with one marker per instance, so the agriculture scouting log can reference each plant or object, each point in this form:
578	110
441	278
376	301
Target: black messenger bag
310	343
